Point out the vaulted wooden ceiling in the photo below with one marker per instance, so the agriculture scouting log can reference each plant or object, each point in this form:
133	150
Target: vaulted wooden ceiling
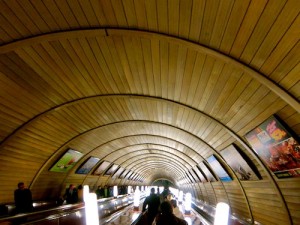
153	86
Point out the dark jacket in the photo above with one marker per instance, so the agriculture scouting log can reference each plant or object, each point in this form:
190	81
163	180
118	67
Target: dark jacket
23	200
71	196
153	202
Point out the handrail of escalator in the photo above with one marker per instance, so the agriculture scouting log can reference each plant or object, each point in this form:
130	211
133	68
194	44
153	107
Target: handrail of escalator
59	209
138	218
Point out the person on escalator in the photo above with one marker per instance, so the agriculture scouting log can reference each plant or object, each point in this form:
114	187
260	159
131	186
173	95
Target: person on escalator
23	199
167	217
71	194
153	202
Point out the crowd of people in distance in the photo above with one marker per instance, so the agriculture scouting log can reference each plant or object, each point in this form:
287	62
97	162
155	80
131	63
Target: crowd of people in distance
24	203
161	210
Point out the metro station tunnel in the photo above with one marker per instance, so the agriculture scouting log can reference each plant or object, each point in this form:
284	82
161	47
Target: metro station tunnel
200	94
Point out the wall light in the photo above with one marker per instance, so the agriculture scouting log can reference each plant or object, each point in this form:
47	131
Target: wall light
115	191
188	203
222	214
136	199
91	209
86	191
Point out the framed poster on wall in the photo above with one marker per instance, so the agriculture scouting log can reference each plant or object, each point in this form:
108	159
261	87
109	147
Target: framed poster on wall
238	163
209	176
87	166
200	174
277	147
101	168
218	168
111	169
66	161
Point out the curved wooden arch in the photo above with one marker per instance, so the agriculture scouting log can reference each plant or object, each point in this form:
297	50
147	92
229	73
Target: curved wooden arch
276	89
136	33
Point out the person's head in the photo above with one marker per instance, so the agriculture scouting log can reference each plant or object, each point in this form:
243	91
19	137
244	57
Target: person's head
152	190
173	203
80	187
166	208
21	185
71	186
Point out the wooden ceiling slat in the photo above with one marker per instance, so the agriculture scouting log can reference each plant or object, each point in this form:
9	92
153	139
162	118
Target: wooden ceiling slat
112	62
209	18
99	12
57	15
83	65
196	19
25	78
118	8
213	87
239	109
140	16
286	44
19	30
187	75
173	17
229	79
109	13
278	29
132	73
252	15
42	82
146	48
78	13
192	94
67	13
140	64
99	65
9	32
233	25
181	64
172	66
267	19
185	11
45	15
219	88
151	14
155	53
123	64
33	12
55	60
200	96
89	13
220	24
226	110
91	65
289	62
130	12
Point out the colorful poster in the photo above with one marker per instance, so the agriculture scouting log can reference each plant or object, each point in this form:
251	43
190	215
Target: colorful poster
101	168
238	164
218	168
276	147
86	167
67	161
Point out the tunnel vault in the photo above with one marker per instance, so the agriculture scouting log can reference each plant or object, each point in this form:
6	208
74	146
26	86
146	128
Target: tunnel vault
98	92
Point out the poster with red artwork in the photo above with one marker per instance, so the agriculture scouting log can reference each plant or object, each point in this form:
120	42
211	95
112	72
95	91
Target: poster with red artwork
276	146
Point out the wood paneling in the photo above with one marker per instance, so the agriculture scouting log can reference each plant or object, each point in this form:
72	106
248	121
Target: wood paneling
165	82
